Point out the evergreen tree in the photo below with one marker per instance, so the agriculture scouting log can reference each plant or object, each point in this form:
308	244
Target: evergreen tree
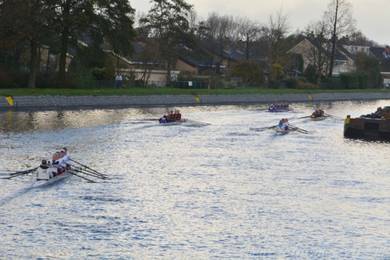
107	20
25	21
168	22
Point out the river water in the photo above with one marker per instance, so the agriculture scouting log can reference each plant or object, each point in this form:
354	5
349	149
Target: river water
196	191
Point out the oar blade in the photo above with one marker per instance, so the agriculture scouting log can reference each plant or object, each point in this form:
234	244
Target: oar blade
82	177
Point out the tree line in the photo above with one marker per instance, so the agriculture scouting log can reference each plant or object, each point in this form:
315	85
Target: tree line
60	24
25	25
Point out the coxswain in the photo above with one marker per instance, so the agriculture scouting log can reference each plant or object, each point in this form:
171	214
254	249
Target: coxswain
163	120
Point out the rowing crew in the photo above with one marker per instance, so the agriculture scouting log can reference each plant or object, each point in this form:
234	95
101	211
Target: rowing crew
60	160
172	116
318	113
278	107
284	124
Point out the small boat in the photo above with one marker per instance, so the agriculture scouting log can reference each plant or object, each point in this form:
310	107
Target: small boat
173	122
278	108
282	131
48	176
318	118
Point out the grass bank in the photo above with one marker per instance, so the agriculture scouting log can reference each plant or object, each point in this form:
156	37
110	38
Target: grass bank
170	91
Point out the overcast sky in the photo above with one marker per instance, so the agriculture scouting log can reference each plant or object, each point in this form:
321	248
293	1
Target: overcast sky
372	16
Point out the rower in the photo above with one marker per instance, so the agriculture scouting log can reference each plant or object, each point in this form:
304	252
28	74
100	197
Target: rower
163	120
178	115
65	159
285	125
281	123
171	116
318	113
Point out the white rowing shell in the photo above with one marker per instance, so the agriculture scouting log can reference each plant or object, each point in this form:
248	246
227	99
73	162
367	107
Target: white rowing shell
41	182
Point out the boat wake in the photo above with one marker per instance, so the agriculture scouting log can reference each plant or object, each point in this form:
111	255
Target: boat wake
16	194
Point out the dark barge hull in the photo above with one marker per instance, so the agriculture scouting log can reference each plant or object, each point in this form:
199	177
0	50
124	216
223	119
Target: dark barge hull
367	129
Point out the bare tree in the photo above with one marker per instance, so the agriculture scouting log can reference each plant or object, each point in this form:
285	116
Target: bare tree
338	18
319	51
221	29
248	31
276	31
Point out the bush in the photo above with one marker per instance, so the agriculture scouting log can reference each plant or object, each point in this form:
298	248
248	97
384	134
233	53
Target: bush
291	83
306	85
311	74
354	80
249	72
277	72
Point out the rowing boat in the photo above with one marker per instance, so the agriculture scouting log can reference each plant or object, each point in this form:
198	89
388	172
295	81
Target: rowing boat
318	118
49	176
281	131
279	108
168	123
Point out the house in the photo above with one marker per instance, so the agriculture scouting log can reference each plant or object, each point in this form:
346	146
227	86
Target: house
383	55
198	61
314	54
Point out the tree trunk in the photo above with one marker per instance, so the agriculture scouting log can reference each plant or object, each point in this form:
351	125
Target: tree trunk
34	62
334	40
247	47
63	54
64	41
220	59
168	84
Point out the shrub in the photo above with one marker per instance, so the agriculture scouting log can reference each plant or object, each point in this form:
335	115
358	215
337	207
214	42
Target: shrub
277	72
249	72
291	83
306	85
311	74
354	80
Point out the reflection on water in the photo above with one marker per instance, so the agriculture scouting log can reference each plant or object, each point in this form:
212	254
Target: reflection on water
196	191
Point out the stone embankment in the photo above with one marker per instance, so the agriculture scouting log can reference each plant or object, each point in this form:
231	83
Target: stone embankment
75	102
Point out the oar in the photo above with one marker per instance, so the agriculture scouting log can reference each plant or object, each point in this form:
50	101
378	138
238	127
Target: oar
89	168
304	117
82	177
83	169
303	131
89	174
151	119
19	173
85	166
262	128
336	117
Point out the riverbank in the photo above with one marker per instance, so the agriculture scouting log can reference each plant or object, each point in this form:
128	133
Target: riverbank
142	91
46	99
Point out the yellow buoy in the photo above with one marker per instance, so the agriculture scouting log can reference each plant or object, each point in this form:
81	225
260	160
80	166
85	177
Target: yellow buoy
10	100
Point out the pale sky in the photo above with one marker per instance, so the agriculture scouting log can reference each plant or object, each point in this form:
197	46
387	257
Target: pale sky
372	16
